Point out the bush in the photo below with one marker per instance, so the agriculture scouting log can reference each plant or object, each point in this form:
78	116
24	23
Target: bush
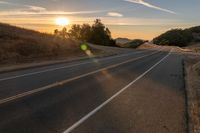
179	37
195	29
175	37
135	43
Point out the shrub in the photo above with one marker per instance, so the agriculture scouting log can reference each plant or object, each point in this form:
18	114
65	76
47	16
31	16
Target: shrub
179	37
175	37
135	43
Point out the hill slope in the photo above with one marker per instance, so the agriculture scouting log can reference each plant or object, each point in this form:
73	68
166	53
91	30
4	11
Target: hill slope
18	45
179	37
122	40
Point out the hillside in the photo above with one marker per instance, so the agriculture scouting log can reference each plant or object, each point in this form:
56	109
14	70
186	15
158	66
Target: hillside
122	40
21	45
135	43
179	37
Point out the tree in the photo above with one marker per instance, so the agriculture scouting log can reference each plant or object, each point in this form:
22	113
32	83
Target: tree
100	34
97	33
86	32
56	32
75	32
63	33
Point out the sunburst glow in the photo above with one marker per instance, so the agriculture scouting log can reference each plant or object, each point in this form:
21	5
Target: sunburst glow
62	21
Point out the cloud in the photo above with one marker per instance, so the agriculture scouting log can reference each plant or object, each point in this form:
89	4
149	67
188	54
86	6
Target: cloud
37	10
142	2
114	14
25	7
3	2
29	12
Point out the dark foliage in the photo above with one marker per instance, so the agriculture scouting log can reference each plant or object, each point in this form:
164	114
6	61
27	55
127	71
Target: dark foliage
195	29
97	33
135	43
178	37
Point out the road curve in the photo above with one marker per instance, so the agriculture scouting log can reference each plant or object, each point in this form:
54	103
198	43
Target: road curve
140	92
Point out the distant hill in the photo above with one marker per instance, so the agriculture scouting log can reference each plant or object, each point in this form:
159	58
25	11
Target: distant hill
196	33
179	37
122	40
135	43
18	44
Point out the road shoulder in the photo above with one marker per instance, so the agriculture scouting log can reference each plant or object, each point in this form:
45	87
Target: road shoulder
23	66
96	52
192	71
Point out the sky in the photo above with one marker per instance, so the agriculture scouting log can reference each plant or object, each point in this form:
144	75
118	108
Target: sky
132	19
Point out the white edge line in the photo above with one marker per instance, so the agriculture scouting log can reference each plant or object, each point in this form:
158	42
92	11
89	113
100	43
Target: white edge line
11	98
53	69
75	125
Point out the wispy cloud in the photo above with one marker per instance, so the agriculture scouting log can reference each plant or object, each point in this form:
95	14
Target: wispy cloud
115	14
37	10
142	2
12	13
3	2
25	7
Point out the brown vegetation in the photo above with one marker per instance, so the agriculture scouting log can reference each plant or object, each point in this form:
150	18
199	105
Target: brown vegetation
194	47
20	45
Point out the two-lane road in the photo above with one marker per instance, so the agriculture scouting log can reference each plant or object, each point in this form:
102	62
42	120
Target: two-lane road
135	92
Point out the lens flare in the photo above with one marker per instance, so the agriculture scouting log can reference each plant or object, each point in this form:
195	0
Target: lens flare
84	47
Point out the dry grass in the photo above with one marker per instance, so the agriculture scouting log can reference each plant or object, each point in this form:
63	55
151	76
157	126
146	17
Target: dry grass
197	50
22	45
193	91
195	47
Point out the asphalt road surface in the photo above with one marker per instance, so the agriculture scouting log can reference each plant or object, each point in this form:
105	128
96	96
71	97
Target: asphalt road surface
137	92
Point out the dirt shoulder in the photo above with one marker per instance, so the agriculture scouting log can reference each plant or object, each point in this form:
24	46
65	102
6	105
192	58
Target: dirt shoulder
192	71
95	50
195	47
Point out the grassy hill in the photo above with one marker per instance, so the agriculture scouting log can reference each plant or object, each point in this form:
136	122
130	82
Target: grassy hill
179	37
19	45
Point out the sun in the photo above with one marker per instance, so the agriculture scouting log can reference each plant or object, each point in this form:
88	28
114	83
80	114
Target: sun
62	21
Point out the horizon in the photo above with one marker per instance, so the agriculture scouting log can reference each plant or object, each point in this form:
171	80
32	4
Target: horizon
144	19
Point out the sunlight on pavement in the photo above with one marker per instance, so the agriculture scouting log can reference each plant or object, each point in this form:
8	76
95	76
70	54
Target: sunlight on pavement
84	47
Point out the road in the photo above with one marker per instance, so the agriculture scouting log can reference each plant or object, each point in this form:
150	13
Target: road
137	92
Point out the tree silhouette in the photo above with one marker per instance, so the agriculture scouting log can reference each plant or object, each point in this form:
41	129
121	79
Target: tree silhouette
97	33
100	34
75	32
63	33
86	32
